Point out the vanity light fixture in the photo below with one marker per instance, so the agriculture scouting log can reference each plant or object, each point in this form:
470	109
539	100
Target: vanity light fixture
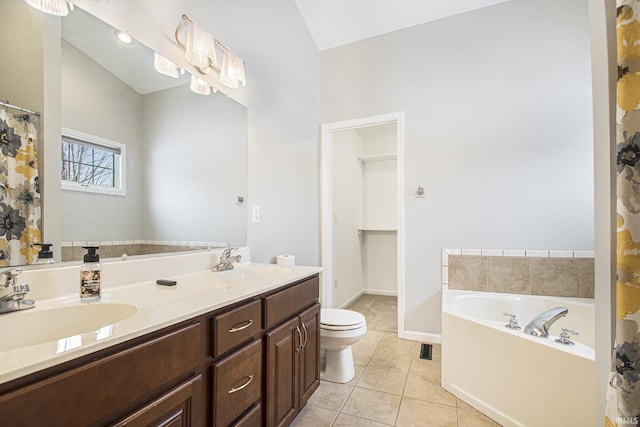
52	7
201	52
199	86
165	66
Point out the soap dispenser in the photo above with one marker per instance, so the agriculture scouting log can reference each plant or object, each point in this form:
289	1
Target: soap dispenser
45	256
90	275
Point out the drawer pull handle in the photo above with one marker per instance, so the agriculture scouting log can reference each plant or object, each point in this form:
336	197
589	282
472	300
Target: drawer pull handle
234	389
306	335
239	328
299	336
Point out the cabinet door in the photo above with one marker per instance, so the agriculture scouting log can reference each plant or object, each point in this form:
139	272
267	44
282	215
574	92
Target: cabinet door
172	409
281	397
309	353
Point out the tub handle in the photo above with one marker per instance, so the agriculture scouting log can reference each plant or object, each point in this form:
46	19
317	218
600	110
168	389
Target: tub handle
513	323
565	336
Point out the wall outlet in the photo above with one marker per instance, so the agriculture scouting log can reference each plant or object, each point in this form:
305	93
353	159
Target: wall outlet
256	214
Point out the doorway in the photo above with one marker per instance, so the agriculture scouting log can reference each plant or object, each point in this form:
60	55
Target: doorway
373	218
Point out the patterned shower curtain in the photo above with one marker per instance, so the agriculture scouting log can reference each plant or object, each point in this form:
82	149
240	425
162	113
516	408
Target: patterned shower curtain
623	393
20	213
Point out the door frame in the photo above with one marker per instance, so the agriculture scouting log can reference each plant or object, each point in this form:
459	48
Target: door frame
326	224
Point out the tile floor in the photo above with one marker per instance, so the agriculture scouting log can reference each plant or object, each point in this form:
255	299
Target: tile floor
392	386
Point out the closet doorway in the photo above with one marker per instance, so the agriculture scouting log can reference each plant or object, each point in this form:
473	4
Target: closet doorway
363	213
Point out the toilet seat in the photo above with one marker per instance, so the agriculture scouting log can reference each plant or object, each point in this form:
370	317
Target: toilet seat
335	319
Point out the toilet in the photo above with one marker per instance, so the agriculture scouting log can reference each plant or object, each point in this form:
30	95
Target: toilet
339	330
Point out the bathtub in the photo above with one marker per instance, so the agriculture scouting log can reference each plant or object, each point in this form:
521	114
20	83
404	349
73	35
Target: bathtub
515	378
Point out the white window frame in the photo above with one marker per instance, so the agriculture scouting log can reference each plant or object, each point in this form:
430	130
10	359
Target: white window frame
120	187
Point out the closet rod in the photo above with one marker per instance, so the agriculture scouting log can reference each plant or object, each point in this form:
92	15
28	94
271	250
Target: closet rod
26	110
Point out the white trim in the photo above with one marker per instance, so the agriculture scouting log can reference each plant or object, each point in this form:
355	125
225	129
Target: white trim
351	300
121	182
423	337
326	231
380	292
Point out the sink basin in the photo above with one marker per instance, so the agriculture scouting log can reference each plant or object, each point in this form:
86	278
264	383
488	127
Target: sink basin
32	327
253	272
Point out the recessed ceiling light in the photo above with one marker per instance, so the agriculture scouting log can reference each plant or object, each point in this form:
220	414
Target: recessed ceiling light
124	37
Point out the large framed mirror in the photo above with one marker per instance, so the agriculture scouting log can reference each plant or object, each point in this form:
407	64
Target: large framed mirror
180	158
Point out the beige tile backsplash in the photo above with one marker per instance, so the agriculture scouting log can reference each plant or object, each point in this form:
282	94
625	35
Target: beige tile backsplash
555	276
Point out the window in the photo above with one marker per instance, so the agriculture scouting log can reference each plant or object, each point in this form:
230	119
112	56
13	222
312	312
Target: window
92	164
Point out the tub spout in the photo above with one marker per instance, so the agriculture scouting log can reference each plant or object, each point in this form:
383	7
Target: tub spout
539	326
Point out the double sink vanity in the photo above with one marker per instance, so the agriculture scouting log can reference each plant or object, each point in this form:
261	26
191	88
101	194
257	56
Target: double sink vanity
237	347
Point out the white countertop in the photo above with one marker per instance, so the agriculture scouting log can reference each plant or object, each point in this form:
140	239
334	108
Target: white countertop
155	308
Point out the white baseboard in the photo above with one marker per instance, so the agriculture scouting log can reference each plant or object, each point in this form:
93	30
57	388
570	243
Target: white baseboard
422	336
380	292
352	299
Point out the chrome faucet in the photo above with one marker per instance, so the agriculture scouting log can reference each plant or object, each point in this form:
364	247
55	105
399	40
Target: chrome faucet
539	326
11	294
226	260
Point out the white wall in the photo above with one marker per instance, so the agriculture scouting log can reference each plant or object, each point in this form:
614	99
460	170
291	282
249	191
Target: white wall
497	107
347	203
207	134
96	102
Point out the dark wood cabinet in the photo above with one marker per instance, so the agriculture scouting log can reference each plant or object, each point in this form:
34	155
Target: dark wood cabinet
292	366
218	369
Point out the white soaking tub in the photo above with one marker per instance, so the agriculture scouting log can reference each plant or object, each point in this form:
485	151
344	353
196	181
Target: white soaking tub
515	378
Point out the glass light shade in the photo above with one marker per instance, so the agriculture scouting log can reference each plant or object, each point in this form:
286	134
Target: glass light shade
165	66
52	7
199	86
232	70
201	47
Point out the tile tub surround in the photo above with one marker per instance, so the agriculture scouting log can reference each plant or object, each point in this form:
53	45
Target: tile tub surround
553	273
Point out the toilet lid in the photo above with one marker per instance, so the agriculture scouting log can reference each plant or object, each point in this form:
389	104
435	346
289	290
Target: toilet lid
335	317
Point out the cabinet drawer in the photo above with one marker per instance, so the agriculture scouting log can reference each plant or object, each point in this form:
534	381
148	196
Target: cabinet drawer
284	304
237	383
173	408
235	327
252	419
84	395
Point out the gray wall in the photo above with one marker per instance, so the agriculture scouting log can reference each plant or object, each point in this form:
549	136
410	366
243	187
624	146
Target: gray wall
498	131
195	151
282	97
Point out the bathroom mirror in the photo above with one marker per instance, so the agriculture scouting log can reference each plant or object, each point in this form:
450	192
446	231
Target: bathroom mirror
185	170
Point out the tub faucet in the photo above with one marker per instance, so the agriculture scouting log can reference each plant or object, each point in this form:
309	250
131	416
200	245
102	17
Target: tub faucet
539	326
226	260
12	294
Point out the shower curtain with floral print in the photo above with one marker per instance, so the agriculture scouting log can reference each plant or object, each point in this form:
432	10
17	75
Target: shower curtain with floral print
20	212
623	392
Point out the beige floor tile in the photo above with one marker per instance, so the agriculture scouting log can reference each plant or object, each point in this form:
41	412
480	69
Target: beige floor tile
461	404
370	341
425	388
419	413
392	362
330	395
425	368
471	417
314	417
397	346
361	357
372	405
383	380
345	420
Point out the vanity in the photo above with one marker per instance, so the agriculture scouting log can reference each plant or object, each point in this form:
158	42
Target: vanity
237	348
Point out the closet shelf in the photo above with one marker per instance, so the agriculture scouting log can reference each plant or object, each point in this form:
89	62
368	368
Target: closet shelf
363	160
362	231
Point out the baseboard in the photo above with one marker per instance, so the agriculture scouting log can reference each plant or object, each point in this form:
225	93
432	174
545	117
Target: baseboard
422	337
352	299
380	292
